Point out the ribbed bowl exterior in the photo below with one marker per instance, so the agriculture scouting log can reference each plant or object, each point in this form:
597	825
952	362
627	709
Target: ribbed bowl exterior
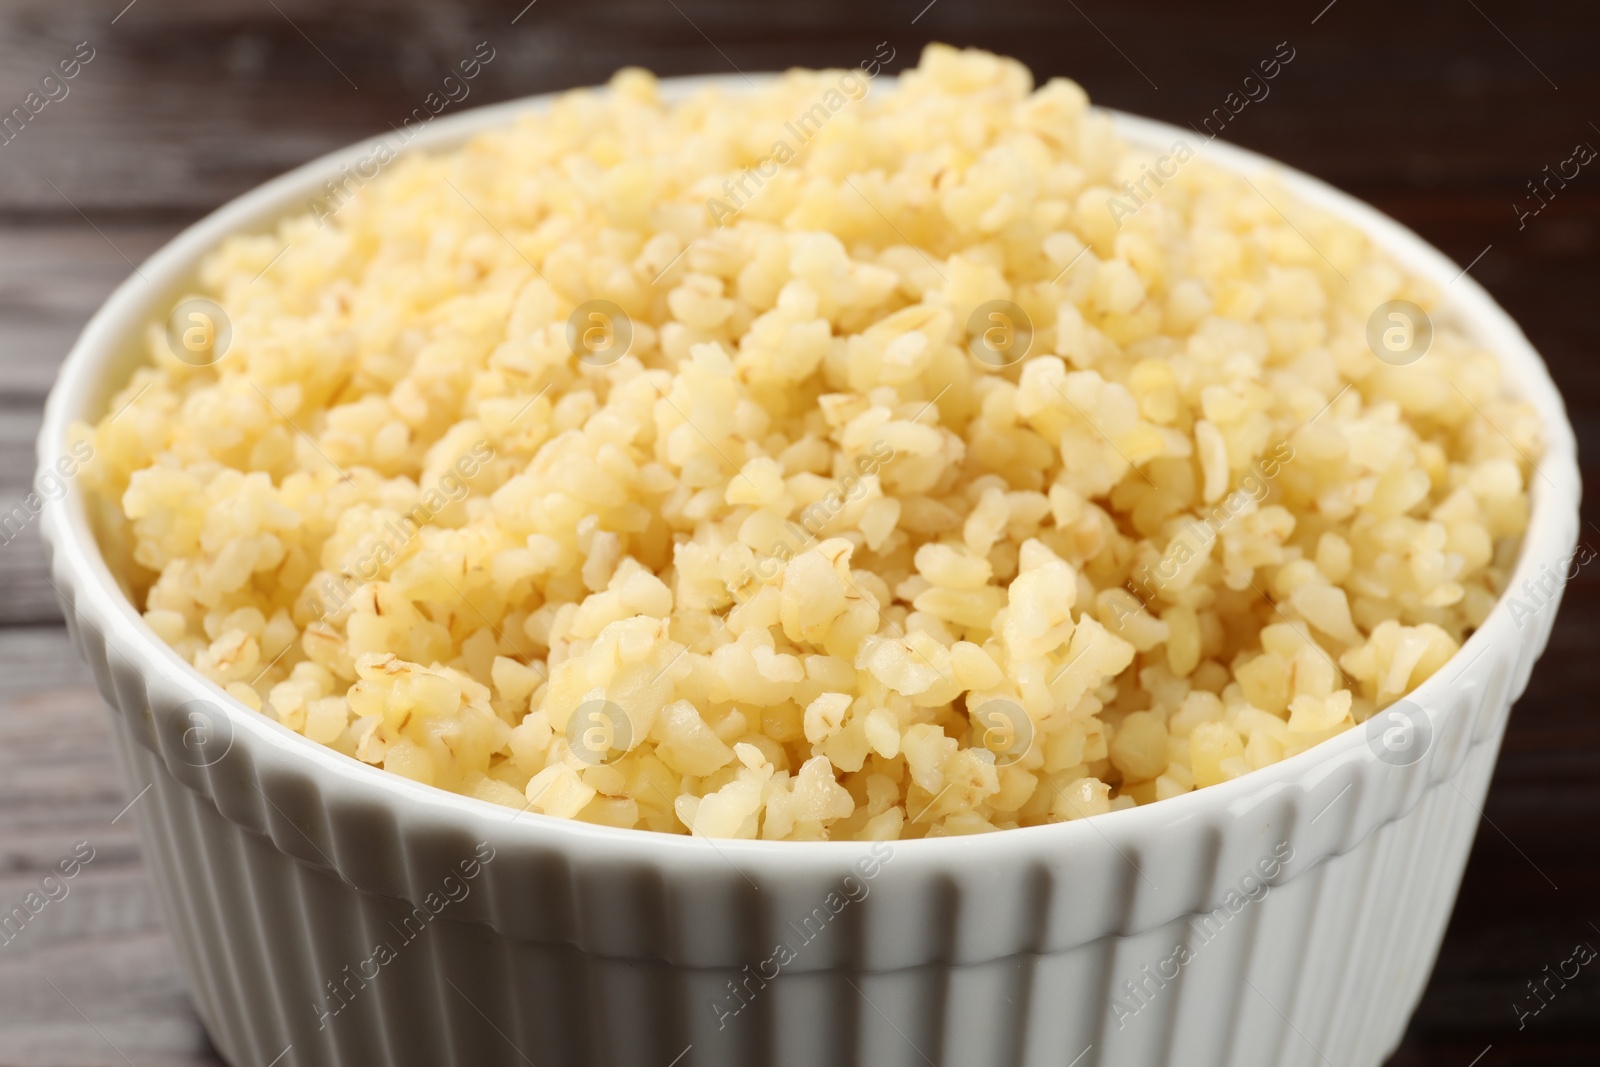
565	963
328	914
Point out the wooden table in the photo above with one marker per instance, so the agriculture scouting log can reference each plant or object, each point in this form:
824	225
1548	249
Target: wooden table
1439	114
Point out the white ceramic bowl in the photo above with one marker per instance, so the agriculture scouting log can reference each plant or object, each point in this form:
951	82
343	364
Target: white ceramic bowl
1311	896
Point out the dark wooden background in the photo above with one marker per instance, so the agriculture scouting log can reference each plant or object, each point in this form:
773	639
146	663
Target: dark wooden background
1438	112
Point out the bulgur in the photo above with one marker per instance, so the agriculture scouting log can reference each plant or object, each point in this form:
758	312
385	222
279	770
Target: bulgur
802	558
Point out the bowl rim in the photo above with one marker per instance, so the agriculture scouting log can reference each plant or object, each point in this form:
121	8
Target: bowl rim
98	599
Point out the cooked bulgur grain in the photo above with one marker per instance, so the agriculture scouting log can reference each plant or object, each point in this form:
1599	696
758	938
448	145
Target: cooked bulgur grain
756	577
